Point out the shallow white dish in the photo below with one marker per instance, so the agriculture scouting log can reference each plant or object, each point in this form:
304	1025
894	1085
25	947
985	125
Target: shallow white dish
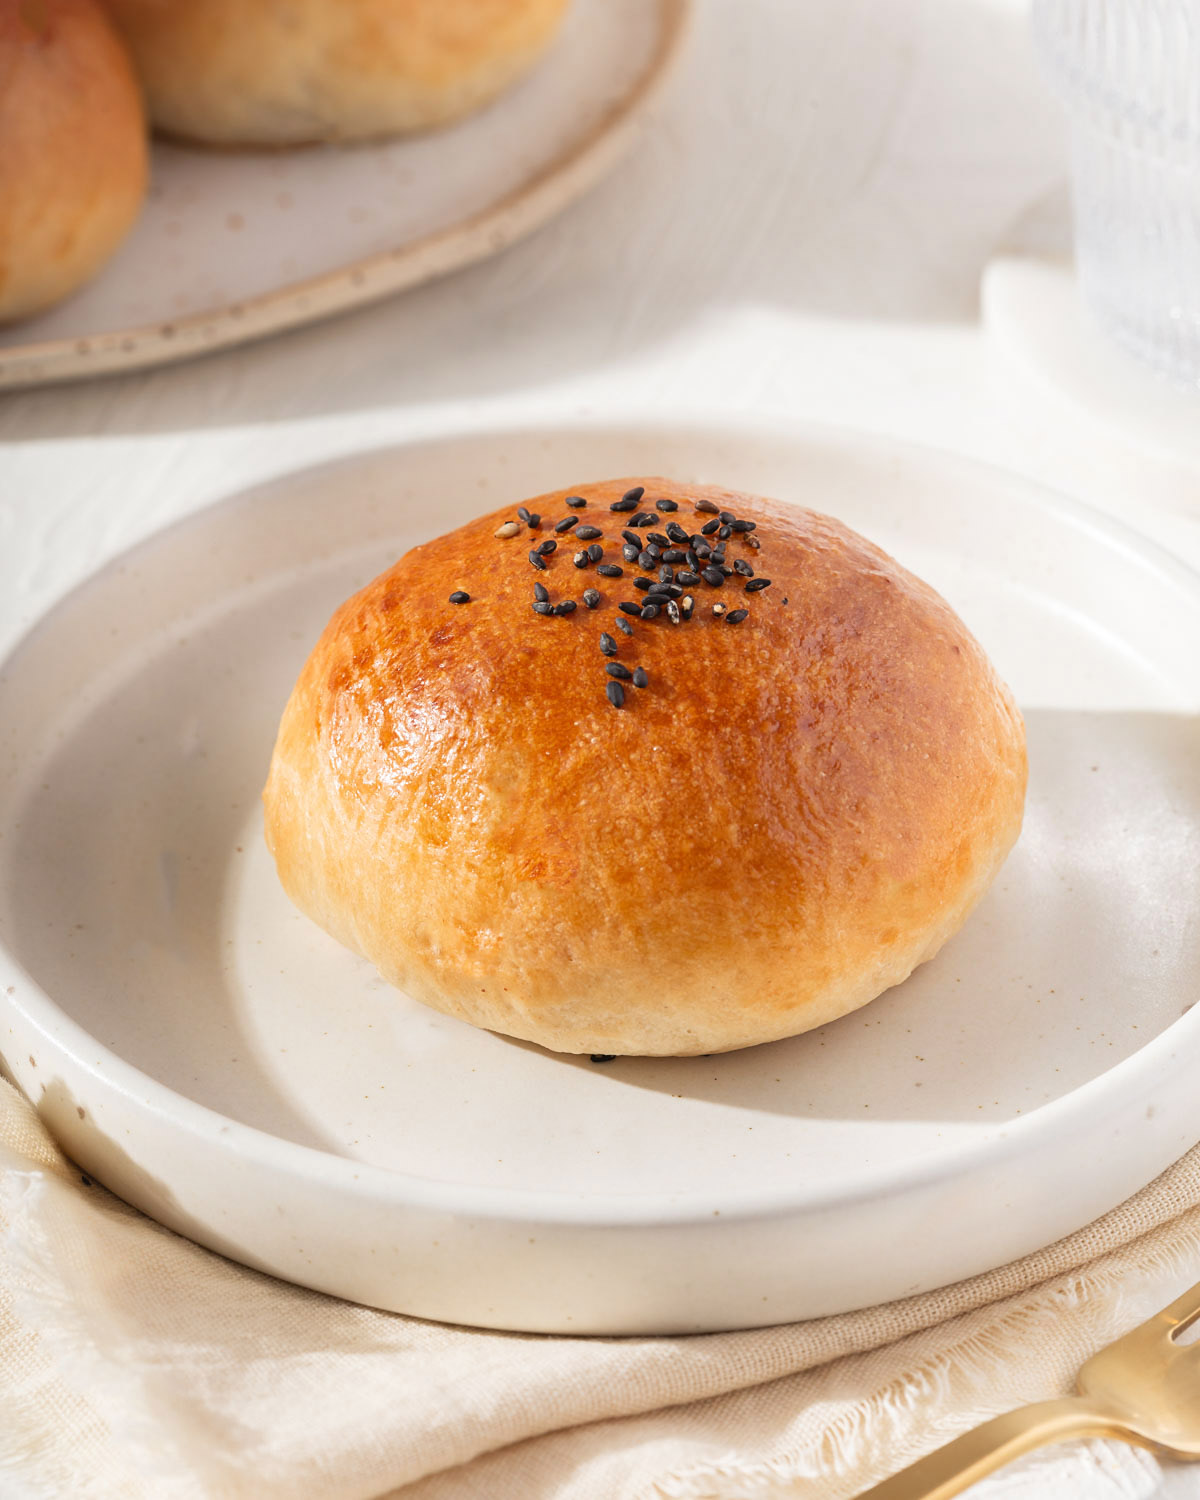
201	1048
234	245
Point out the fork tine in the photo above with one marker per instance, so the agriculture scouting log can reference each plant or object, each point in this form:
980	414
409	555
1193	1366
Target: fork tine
1184	1310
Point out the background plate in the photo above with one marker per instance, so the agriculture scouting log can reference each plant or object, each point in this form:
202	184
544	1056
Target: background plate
211	1056
233	245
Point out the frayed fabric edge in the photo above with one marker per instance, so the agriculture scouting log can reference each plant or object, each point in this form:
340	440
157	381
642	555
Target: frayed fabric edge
840	1450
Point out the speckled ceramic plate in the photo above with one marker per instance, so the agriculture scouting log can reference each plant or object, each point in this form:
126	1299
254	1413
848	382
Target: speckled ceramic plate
213	1057
232	246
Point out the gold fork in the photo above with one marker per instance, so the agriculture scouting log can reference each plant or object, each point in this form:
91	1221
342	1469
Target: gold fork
1145	1389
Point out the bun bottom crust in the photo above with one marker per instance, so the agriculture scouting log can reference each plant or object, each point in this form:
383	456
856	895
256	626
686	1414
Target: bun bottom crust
224	73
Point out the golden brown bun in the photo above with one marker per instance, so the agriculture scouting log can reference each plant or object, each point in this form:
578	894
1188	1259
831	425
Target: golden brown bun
264	72
794	812
72	149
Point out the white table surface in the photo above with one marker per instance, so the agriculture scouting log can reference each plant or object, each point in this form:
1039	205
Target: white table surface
800	235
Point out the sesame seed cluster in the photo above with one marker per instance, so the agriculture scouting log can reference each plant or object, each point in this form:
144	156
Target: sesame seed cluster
672	567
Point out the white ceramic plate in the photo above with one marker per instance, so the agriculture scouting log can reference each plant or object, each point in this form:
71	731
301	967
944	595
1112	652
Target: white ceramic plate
233	245
201	1048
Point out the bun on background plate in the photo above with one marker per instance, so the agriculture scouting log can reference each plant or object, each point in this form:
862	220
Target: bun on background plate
266	73
746	813
73	158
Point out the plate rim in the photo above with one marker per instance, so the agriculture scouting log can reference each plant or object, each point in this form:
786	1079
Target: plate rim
358	283
359	1178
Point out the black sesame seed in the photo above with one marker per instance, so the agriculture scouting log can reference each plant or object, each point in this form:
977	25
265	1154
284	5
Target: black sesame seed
736	616
644	518
534	521
646	559
591	597
642	583
665	505
635	494
523	513
566	524
588	533
686	605
718	553
741	566
660	591
657	539
710	528
666	573
595	552
672	612
719	609
757	583
726	569
727	517
640	678
724	531
616	694
753	541
618	670
698	540
625	503
602	1057
743	525
713	576
576	502
674	555
677	534
687	578
548	546
630	607
541	592
707	507
610	570
460	596
581	559
702	550
650	611
632	538
540	607
537	561
630	553
623	624
567	607
607	645
693	560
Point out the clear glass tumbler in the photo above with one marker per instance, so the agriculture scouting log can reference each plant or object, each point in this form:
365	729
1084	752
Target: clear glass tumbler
1128	72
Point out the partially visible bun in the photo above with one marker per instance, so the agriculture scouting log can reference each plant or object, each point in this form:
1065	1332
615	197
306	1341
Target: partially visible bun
260	72
72	149
788	814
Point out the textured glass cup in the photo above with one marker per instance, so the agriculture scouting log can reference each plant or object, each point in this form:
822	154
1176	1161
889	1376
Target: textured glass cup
1128	72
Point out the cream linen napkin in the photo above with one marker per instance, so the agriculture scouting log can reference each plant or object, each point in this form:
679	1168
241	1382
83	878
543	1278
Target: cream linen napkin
134	1364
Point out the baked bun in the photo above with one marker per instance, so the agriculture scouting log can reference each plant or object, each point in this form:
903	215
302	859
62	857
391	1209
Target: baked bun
266	72
72	149
796	809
